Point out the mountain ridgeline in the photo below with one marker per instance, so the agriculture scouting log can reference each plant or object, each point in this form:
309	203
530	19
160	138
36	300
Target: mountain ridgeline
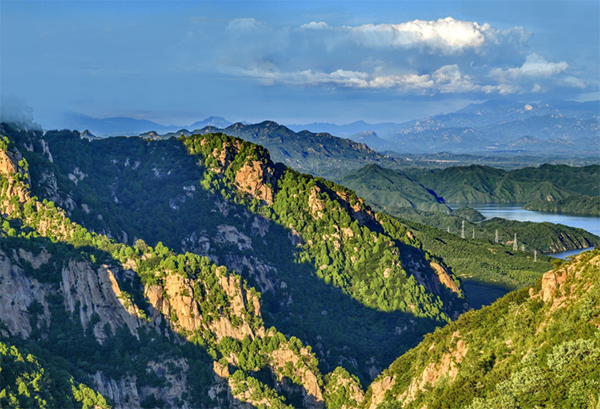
354	284
320	154
197	273
558	188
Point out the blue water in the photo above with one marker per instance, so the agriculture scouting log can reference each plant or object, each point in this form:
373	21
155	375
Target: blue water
515	211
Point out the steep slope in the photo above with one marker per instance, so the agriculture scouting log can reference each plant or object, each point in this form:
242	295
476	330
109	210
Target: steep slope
487	270
538	347
331	272
488	267
383	186
143	326
320	154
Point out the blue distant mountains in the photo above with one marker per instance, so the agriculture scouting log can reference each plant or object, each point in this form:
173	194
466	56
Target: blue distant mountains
124	126
492	127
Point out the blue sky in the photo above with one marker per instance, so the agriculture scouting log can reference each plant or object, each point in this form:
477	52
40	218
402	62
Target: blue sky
293	62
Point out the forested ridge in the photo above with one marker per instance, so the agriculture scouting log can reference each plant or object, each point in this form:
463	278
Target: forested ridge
40	230
333	246
202	274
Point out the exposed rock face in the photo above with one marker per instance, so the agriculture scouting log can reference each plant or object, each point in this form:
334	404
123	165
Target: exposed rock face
313	397
379	388
355	392
264	274
447	367
444	277
174	299
97	291
232	235
315	204
444	368
8	162
358	210
10	169
17	293
122	392
177	299
125	393
550	283
257	179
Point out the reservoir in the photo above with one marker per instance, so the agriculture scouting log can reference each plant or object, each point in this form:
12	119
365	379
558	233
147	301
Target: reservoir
515	211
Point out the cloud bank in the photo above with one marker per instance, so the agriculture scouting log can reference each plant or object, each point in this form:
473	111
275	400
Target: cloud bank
437	57
445	36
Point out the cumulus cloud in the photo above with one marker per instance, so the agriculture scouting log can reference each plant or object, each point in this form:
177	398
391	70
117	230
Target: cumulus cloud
446	36
313	25
534	66
444	56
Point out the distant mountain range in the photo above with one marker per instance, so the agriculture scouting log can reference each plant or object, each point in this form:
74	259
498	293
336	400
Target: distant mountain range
124	126
502	127
347	130
493	127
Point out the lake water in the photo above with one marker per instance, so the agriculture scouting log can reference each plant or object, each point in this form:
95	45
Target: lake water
515	211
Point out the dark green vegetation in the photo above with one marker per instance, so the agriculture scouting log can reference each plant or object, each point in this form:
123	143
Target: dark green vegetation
25	383
352	284
380	185
148	333
311	260
537	347
584	205
483	184
553	188
543	237
383	189
486	268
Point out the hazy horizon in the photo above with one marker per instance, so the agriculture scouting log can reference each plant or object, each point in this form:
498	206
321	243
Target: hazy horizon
293	62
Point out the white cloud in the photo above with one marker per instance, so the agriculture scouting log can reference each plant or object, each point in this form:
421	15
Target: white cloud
445	56
534	66
447	36
574	82
447	79
313	25
15	109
